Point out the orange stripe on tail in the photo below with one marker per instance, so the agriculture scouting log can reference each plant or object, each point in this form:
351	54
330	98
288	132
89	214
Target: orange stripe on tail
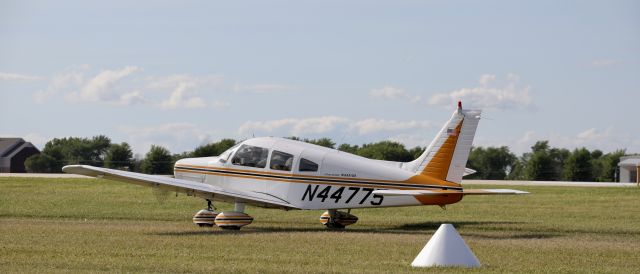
439	165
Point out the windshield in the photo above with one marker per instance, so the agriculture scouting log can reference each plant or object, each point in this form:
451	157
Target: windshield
225	155
251	156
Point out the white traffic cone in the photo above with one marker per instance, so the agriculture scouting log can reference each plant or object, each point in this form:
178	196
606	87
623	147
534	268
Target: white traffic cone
446	248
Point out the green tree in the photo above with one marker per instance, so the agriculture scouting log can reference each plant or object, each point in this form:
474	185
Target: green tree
325	142
491	163
385	150
558	157
72	150
98	147
607	165
543	163
540	167
578	166
177	156
416	152
539	164
157	161
353	149
213	149
119	156
517	170
41	163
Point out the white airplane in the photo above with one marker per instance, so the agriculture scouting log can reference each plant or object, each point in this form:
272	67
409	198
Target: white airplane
286	174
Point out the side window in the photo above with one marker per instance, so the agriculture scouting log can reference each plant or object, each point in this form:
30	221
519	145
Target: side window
251	156
281	161
306	165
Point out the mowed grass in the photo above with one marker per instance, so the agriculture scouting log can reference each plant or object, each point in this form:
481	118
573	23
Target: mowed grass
91	225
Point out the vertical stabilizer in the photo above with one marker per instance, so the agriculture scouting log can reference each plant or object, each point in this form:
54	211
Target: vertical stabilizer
445	158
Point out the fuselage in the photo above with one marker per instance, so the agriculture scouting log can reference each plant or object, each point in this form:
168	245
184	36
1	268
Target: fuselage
310	176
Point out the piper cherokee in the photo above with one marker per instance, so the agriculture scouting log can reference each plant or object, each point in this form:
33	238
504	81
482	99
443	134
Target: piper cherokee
287	174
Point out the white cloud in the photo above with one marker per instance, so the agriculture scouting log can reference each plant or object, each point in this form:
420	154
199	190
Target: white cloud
412	140
132	98
4	76
184	89
262	88
388	92
487	79
71	78
486	96
327	124
368	126
176	137
173	81
183	96
126	86
317	125
527	139
607	140
109	86
102	87
220	104
601	63
296	127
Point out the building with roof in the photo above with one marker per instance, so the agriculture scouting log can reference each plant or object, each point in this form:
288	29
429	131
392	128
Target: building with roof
13	153
629	169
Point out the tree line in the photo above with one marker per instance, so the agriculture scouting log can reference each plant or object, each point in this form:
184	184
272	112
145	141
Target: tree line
542	163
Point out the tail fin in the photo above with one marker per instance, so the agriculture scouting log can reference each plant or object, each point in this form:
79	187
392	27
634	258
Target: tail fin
445	158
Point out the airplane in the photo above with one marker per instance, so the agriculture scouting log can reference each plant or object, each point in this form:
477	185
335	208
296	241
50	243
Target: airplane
286	174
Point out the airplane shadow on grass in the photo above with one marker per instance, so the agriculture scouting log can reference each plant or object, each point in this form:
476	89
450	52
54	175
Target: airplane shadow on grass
426	228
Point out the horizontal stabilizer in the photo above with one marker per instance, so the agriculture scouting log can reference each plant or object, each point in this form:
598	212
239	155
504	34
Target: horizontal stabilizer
395	192
468	171
493	192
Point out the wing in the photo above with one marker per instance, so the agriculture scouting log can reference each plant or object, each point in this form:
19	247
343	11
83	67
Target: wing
395	192
202	190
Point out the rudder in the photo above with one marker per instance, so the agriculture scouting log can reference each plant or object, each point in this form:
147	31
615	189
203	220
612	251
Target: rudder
445	158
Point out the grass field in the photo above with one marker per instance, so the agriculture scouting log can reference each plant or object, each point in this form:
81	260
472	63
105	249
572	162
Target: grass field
88	225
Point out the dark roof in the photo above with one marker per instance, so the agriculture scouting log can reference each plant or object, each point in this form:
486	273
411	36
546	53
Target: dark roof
10	145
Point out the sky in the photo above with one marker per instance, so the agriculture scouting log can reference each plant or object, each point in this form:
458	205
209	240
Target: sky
184	73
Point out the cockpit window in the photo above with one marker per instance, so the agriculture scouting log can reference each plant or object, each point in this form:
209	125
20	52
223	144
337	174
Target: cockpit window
281	161
251	156
307	165
225	155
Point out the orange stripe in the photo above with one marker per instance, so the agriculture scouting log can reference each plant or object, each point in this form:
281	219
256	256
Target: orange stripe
439	165
283	180
418	179
288	174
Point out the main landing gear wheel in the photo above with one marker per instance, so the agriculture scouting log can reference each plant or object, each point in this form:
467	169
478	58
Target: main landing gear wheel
234	220
334	219
228	220
205	217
